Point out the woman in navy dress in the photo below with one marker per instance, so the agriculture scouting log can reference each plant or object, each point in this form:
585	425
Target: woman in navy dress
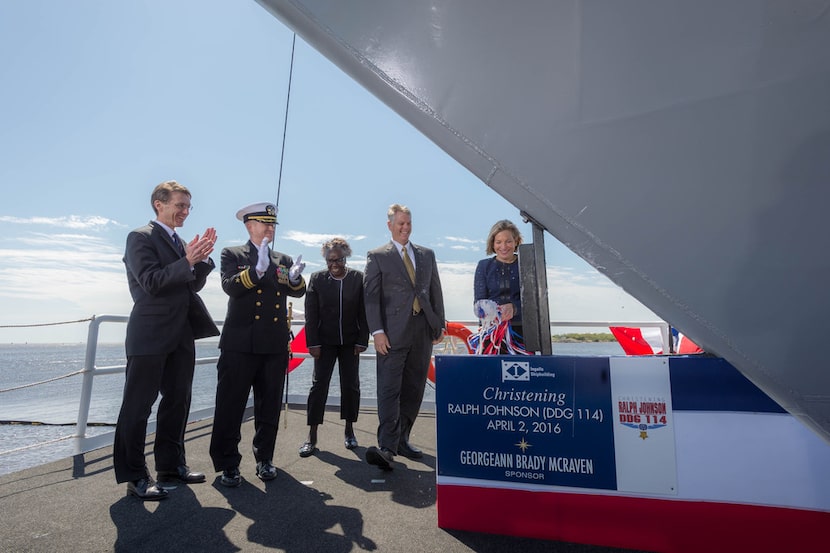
497	277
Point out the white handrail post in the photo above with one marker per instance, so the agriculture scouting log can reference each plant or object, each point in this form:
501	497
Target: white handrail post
89	375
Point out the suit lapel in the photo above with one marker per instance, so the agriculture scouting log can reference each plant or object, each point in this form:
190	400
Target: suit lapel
419	261
395	256
159	231
420	274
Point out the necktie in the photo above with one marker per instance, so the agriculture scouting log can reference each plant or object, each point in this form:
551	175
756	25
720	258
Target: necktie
178	242
407	261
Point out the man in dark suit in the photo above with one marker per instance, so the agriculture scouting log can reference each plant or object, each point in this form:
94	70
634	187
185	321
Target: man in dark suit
254	343
164	276
405	312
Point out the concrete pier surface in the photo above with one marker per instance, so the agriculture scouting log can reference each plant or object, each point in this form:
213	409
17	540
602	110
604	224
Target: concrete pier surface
333	501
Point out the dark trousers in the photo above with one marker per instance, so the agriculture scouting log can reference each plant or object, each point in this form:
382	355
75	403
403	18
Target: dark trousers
170	375
348	365
238	374
401	378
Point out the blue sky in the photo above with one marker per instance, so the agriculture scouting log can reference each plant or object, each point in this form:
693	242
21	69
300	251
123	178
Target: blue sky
103	100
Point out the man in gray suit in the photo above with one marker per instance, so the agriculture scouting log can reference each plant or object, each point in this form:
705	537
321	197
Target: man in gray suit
405	312
164	275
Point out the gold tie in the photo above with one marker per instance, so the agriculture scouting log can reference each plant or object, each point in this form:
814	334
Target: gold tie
416	306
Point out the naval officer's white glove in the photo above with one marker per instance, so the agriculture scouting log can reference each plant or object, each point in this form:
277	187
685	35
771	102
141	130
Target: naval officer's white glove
295	270
264	257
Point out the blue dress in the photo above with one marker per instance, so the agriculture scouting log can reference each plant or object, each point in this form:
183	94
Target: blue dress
499	282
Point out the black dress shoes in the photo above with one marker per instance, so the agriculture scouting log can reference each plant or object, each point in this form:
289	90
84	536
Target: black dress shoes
266	471
350	442
231	477
381	458
404	447
408	450
181	474
146	490
307	449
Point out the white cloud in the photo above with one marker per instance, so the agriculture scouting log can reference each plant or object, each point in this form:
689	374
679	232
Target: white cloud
69	221
53	278
47	278
468	241
313	239
466	268
572	297
49	252
457	243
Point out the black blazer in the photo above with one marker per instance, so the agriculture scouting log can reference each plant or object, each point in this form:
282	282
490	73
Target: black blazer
164	292
257	319
334	312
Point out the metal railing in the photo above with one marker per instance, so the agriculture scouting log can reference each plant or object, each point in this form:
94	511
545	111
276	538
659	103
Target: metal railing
91	370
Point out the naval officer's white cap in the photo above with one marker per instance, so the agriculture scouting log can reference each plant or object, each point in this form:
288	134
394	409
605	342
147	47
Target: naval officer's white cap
264	212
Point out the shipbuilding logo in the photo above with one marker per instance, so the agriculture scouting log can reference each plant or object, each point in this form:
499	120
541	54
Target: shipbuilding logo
643	414
515	370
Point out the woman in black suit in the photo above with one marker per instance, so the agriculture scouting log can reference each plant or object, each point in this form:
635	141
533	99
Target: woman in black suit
336	331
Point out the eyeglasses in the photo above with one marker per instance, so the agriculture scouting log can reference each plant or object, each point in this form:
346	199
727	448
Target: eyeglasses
335	260
182	207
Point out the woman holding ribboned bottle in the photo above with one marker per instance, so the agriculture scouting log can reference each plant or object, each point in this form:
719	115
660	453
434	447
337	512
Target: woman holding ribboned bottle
497	277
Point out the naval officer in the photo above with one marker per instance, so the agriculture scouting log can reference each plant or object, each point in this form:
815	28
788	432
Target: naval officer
254	343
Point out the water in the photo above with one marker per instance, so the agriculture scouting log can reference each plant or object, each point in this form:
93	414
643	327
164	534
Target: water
47	413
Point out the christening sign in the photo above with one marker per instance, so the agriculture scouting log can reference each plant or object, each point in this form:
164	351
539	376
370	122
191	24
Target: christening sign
614	451
556	421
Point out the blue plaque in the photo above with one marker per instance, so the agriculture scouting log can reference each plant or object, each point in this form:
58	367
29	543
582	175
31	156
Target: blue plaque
526	419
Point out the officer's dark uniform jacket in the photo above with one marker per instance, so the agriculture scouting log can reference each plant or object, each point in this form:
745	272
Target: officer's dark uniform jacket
256	321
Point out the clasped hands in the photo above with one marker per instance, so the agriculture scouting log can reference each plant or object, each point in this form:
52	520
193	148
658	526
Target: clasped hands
200	248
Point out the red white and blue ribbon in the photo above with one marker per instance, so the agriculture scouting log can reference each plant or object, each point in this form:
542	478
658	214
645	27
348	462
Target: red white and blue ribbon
493	332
